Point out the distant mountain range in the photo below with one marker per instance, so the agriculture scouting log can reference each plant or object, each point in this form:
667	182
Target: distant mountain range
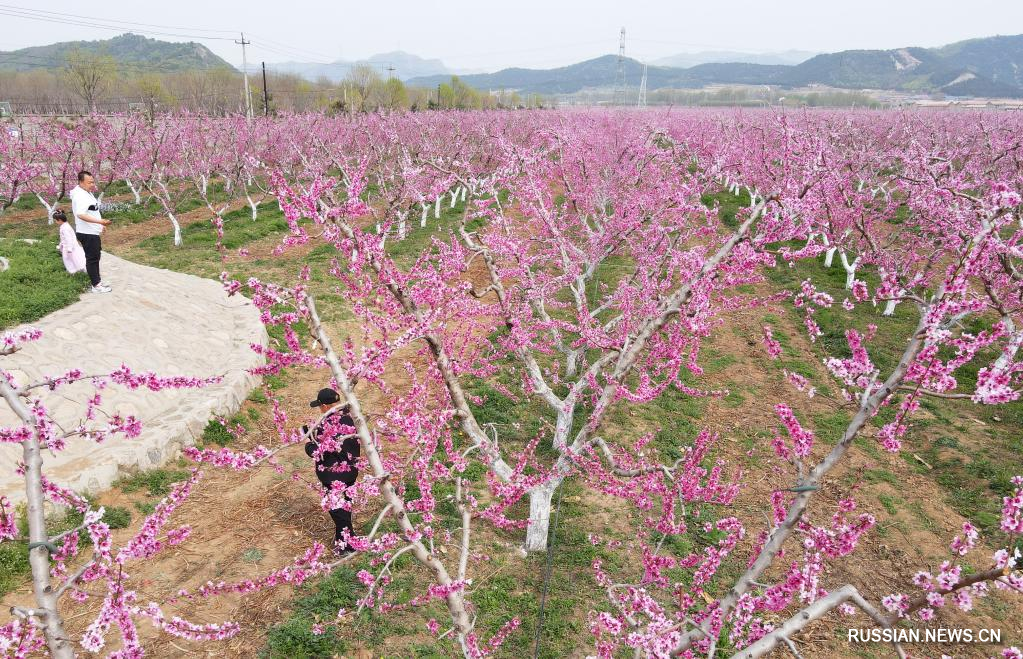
404	65
133	52
686	60
991	66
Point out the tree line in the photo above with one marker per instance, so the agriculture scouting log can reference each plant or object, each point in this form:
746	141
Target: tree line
89	82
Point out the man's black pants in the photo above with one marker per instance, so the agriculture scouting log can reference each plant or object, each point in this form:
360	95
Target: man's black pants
342	520
92	247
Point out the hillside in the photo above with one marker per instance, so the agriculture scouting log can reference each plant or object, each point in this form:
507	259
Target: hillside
131	51
979	67
686	60
405	66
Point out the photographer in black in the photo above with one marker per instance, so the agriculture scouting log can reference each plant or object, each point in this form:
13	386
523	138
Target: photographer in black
337	462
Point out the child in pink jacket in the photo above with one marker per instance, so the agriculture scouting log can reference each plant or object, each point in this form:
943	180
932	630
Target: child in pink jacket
70	249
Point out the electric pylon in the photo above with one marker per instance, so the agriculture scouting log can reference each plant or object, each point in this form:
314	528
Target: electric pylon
641	102
619	94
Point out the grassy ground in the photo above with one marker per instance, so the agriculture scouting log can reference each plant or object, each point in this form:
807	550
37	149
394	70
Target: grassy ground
36	282
971	451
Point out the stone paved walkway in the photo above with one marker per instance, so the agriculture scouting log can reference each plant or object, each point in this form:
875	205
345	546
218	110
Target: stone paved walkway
154	320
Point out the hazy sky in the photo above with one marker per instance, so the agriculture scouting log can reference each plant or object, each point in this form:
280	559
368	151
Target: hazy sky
528	33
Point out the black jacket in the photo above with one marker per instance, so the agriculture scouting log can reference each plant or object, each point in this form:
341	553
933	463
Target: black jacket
329	467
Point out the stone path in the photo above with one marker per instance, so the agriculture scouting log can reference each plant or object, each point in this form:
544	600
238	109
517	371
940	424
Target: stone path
154	320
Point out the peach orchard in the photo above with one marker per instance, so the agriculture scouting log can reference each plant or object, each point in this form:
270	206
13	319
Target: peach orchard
921	210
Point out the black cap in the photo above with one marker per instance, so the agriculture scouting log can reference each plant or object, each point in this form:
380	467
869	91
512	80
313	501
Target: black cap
325	397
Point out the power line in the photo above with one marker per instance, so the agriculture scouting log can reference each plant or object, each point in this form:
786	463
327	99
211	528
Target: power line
112	20
21	13
264	40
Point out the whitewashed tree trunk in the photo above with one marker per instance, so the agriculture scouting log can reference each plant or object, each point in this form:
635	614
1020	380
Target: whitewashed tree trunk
422	220
1009	354
464	191
135	191
454	198
436	208
829	256
402	225
177	229
202	180
38	557
889	307
252	205
49	208
540	515
850	269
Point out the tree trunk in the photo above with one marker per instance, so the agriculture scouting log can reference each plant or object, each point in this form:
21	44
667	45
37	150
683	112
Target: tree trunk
177	229
134	191
850	270
49	208
540	515
252	205
38	557
829	257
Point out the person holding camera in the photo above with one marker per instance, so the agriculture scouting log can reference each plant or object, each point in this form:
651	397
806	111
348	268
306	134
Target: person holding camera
88	227
336	462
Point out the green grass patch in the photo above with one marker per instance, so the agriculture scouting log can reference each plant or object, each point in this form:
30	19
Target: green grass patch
156	482
216	433
36	282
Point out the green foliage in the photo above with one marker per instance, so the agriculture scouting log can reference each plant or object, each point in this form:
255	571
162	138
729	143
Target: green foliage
252	555
317	601
157	482
145	507
36	282
117	517
888	502
216	433
728	205
133	53
14	567
239	230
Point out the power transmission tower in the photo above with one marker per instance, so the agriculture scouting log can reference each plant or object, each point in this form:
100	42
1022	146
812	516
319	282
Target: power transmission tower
390	71
245	75
619	97
642	89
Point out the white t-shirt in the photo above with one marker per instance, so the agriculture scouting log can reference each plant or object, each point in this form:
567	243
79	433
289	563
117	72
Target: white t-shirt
81	199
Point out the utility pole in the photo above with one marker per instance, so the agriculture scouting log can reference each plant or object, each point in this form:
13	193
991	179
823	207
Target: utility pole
266	96
245	76
641	102
619	93
390	71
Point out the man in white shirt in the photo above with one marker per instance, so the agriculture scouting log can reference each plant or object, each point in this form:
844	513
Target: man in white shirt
88	227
